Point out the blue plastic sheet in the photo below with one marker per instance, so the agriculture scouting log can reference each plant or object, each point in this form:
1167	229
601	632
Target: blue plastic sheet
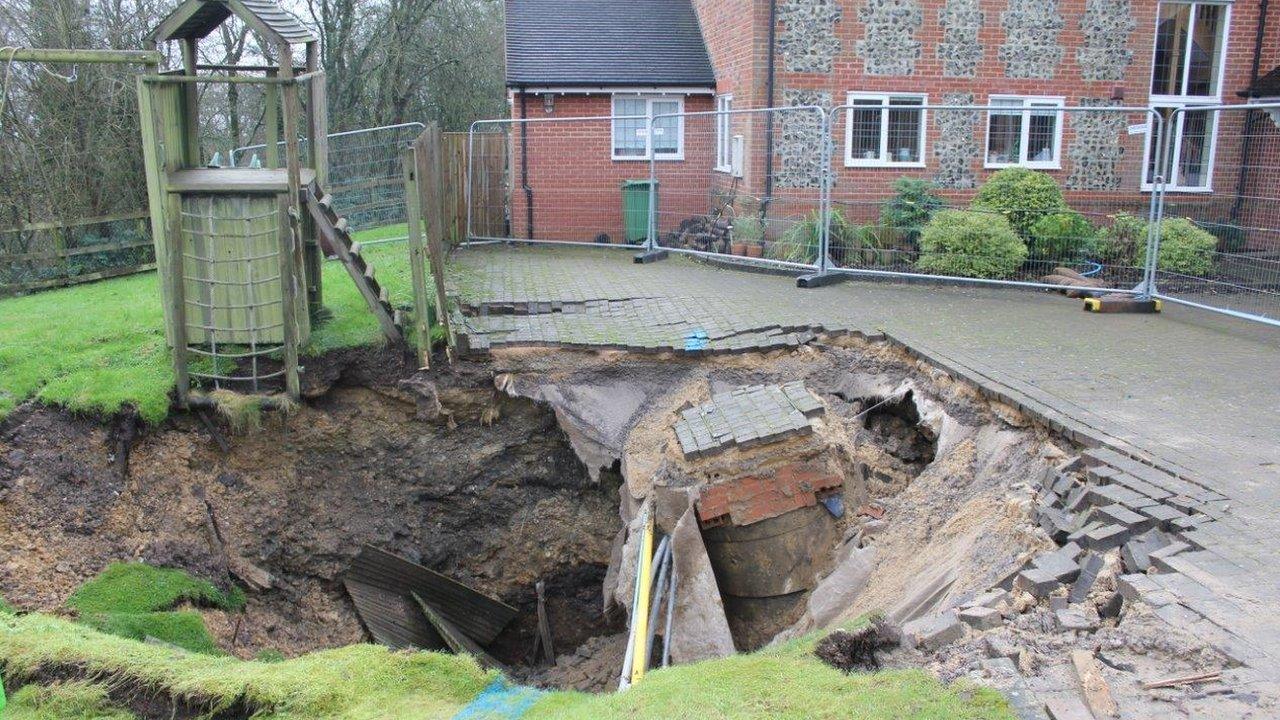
500	701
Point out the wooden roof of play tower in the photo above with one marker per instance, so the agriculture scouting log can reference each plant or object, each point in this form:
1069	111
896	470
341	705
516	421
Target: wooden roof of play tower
195	19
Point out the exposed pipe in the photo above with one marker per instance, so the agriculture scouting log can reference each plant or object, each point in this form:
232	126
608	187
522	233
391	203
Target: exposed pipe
769	102
1250	115
524	165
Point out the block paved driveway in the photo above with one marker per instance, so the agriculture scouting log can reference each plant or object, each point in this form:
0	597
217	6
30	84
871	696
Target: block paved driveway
1197	392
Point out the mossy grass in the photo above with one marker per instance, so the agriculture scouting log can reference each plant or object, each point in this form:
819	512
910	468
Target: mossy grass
63	701
100	346
357	682
137	588
361	682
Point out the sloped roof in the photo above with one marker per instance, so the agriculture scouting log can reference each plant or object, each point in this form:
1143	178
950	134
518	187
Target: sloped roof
195	19
605	42
1267	86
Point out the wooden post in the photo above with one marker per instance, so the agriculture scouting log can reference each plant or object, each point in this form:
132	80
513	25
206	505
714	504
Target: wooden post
417	256
289	299
271	122
177	296
318	115
191	123
430	174
292	161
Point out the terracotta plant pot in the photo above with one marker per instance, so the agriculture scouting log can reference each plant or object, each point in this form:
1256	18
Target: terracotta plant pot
738	248
755	251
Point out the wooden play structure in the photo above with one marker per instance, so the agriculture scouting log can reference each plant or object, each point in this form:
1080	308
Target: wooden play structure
239	249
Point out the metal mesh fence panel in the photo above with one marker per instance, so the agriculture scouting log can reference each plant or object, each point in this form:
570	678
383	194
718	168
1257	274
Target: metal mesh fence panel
364	172
566	182
716	190
1219	242
948	191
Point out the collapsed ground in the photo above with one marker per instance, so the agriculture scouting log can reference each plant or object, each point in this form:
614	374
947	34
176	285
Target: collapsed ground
504	473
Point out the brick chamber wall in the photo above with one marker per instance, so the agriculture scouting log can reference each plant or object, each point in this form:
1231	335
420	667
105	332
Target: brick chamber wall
575	183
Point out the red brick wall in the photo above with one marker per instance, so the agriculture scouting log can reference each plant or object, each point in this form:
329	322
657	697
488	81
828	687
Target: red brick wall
575	183
726	22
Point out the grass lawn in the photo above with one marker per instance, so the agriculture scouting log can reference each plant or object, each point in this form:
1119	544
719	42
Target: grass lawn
98	346
360	682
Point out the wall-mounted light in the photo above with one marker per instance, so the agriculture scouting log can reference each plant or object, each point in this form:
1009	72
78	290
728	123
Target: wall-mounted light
549	102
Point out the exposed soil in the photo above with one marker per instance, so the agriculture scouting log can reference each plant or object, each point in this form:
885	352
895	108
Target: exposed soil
483	488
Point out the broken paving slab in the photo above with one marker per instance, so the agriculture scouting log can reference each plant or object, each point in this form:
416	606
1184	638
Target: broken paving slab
746	415
933	631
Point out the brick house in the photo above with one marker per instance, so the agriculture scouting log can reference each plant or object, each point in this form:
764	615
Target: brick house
879	61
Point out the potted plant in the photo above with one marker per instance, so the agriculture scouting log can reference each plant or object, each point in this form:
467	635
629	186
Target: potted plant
747	235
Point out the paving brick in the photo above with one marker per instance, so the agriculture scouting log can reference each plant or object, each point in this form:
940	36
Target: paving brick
1160	558
1073	618
933	631
1090	565
980	618
1058	563
1136	554
1121	515
1135	585
1040	583
1106	537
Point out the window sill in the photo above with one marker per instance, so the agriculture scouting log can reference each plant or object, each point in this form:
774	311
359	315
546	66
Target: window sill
660	158
1181	190
726	169
851	163
1027	165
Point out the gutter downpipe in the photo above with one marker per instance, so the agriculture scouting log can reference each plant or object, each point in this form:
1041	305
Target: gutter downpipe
524	164
769	102
1250	115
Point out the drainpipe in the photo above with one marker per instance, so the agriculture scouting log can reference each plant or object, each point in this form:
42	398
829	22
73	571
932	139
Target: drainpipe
524	165
769	102
1250	115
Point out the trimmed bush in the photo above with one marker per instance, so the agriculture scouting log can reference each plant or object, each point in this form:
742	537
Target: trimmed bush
1184	248
912	206
1119	242
1231	237
970	244
1021	195
1063	236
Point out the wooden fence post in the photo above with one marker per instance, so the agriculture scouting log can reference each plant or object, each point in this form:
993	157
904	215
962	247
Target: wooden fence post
431	180
417	255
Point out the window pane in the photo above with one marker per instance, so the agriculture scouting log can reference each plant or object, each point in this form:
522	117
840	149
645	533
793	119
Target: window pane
864	118
1004	134
628	134
1171	42
1041	135
904	131
666	133
1206	50
1193	158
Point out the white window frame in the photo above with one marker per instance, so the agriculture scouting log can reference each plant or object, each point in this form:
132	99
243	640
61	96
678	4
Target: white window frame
724	133
885	103
1030	104
1173	184
648	107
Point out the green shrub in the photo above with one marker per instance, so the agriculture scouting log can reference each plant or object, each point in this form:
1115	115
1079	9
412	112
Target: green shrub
138	587
1021	195
1063	236
1184	248
1231	237
799	244
1119	242
970	244
911	207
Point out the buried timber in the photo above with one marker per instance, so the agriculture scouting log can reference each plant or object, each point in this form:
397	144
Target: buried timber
786	493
